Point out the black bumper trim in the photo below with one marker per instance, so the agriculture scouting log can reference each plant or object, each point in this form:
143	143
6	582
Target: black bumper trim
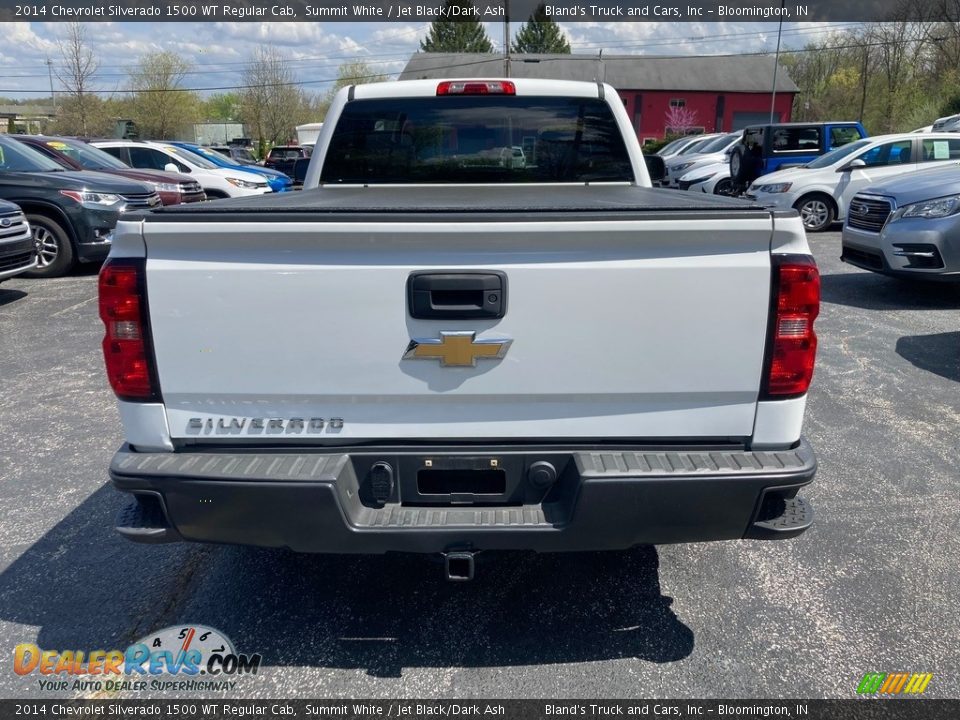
314	502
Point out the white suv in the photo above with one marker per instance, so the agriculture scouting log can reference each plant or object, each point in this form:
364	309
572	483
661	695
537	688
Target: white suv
217	182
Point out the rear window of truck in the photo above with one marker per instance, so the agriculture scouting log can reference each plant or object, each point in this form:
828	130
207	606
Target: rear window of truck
476	140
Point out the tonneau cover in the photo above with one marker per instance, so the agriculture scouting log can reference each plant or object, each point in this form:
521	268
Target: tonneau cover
494	200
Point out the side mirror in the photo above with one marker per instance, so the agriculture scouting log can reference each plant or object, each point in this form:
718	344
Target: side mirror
656	167
173	168
300	170
858	163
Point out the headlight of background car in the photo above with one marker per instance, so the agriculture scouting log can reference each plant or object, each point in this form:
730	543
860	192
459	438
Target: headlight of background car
681	166
94	199
775	188
938	208
166	187
237	182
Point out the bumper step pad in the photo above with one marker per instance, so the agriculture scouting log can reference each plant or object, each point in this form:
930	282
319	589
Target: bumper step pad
796	516
143	520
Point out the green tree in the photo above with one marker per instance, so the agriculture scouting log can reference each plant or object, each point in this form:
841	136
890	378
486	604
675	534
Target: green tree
354	73
222	106
540	34
159	105
457	36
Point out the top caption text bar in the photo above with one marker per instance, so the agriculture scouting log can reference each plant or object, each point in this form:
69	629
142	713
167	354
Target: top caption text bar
483	10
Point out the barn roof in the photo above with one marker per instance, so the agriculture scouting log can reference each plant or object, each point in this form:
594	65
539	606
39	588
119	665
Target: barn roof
748	74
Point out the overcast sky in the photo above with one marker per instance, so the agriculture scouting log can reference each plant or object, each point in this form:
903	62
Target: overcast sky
218	51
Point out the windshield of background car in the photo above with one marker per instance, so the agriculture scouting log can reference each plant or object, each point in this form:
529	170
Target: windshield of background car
671	146
244	156
210	155
696	147
718	144
190	158
89	157
836	155
17	157
476	140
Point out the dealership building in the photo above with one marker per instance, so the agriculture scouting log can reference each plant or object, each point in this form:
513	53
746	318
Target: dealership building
662	94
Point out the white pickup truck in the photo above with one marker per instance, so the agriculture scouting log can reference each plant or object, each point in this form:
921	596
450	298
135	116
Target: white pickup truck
445	345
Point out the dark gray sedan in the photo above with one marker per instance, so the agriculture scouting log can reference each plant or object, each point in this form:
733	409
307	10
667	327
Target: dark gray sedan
907	227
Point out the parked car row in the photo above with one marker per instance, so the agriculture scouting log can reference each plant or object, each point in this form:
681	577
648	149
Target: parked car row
822	189
898	194
72	191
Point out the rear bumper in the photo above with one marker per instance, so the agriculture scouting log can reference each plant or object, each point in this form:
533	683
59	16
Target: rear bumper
602	499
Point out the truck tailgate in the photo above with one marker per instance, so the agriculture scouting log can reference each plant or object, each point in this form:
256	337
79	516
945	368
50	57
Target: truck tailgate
630	314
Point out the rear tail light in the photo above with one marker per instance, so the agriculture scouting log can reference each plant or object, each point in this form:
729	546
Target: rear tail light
476	87
126	344
792	343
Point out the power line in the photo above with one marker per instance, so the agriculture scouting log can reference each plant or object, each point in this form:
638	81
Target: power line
397	56
451	66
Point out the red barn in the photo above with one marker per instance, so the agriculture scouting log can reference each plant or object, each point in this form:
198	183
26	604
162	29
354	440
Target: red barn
662	94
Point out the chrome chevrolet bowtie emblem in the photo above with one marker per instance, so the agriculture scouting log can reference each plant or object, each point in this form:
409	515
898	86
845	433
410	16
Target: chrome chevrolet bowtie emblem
456	349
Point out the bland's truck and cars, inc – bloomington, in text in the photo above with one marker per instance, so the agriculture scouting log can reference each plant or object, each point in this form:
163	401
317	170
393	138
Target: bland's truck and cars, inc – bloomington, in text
477	328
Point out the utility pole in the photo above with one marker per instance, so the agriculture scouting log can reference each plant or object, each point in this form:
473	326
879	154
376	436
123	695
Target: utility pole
506	38
53	97
863	82
776	63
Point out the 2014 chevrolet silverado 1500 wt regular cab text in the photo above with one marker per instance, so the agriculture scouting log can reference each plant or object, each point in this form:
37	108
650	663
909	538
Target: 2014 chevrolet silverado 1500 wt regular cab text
442	347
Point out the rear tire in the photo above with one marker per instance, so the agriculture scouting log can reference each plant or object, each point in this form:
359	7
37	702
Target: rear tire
817	212
54	249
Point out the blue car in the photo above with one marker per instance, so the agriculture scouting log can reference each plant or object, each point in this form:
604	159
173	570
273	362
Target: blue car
277	181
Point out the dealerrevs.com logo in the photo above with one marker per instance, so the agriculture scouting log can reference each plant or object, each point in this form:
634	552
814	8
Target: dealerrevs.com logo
181	658
894	683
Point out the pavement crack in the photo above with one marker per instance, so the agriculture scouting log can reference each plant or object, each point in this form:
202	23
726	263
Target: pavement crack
181	589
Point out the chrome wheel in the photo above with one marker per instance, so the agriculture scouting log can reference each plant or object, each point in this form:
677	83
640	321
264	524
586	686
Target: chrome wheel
47	247
734	165
815	214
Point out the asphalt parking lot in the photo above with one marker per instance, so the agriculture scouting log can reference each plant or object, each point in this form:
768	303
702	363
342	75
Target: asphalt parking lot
872	587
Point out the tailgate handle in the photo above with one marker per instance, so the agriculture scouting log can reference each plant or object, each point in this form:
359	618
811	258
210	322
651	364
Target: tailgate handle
457	295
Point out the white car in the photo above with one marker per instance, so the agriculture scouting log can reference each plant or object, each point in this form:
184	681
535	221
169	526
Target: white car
675	146
715	151
711	179
684	146
950	123
696	143
217	182
822	189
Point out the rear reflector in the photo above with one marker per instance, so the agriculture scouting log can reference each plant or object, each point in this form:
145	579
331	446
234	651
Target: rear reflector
476	87
792	346
126	350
